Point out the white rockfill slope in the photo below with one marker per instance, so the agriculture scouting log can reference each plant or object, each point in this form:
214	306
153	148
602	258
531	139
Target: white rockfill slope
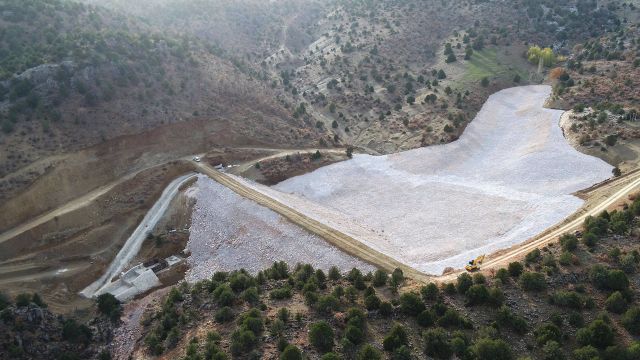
507	178
229	232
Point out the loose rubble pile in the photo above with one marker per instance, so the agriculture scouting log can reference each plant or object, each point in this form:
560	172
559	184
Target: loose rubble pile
229	232
505	180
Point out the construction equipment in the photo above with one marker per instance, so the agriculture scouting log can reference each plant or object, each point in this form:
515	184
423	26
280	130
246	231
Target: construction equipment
474	265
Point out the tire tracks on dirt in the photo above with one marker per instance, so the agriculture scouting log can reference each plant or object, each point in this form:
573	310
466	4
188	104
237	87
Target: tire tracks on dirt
73	205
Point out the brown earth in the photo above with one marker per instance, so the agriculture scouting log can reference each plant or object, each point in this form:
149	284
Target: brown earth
61	251
85	240
67	177
273	170
590	137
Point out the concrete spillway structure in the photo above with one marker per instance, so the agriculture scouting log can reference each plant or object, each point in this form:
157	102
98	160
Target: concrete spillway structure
134	242
131	283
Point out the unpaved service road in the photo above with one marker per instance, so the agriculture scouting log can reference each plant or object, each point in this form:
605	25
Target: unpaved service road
280	154
66	208
72	205
569	226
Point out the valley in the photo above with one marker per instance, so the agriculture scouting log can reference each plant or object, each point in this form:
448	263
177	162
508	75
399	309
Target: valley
220	179
361	239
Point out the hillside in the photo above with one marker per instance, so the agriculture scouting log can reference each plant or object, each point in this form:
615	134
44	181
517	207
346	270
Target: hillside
74	75
380	76
105	103
284	313
377	74
573	299
244	28
29	330
95	100
599	84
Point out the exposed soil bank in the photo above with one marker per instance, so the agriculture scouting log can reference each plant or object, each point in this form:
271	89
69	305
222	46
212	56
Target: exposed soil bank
274	169
59	258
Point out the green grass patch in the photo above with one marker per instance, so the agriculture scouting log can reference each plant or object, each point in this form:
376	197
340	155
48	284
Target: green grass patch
488	63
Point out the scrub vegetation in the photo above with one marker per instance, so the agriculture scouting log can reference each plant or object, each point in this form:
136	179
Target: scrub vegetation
572	299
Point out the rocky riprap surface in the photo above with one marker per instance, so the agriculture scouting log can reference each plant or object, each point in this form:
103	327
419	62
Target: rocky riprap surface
509	177
229	232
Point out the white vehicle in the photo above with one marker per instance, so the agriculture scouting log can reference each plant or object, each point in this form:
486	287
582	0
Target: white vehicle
196	158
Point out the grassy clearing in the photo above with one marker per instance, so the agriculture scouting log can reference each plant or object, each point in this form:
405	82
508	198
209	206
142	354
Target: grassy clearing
490	63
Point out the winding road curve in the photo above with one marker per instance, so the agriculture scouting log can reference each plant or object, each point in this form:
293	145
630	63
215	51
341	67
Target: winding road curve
281	153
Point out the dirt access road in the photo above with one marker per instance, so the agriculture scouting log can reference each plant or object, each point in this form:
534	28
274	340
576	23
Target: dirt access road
86	199
66	208
30	266
278	153
73	205
570	225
